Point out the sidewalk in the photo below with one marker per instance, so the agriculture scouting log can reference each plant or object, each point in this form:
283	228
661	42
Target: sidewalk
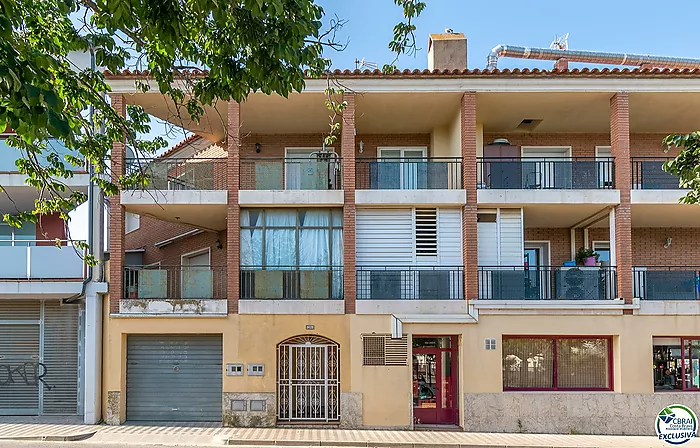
213	435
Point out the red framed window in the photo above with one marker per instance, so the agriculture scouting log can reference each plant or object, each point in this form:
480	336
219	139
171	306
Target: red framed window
691	363
575	363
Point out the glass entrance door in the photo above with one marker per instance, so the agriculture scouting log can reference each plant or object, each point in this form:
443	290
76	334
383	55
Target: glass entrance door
435	381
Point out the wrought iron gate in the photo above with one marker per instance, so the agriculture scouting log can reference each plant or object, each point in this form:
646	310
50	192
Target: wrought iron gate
308	382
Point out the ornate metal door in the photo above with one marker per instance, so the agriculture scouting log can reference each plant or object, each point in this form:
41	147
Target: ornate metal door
308	380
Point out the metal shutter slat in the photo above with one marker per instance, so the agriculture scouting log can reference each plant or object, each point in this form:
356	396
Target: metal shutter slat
157	392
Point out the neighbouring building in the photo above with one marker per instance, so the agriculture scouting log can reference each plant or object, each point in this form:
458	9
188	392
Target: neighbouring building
420	271
50	303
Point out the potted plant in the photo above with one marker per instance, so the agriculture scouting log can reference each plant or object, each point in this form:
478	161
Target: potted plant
586	257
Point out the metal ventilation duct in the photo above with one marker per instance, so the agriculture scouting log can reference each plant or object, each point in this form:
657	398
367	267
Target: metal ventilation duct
593	57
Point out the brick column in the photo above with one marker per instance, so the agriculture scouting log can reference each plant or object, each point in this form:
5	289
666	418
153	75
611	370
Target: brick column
233	218
469	227
620	149
347	145
116	217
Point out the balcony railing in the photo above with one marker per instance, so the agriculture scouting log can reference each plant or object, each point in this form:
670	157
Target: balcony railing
174	282
648	174
181	174
10	155
292	283
40	260
551	173
410	283
547	283
430	173
300	173
666	282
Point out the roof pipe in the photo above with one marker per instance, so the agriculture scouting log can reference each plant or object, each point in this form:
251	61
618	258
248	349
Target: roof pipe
592	57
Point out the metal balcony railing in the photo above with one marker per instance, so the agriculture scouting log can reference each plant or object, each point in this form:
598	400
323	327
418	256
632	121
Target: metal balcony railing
429	173
648	174
193	173
547	283
292	283
410	283
175	282
291	173
551	173
666	282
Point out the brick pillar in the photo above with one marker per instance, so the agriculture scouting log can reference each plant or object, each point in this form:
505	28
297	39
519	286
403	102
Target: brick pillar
347	145
469	244
233	218
620	149
116	217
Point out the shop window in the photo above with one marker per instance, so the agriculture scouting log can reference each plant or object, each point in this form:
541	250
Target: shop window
676	363
557	363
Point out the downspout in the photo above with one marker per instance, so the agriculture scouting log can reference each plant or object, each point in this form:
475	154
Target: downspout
91	218
593	57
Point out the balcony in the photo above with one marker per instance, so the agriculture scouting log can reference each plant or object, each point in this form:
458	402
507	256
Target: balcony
410	290
291	290
180	290
648	174
577	173
540	181
666	283
10	155
184	190
547	283
26	260
314	180
409	181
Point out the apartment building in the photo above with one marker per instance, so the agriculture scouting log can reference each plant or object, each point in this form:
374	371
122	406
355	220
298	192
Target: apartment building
420	270
50	303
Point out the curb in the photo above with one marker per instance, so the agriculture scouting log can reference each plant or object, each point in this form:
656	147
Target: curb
367	444
53	438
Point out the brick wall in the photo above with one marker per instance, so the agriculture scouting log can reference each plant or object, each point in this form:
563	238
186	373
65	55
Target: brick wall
233	216
648	246
347	142
116	216
583	145
152	230
559	242
470	255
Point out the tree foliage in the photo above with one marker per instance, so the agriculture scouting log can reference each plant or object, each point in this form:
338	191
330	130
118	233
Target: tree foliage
245	45
687	164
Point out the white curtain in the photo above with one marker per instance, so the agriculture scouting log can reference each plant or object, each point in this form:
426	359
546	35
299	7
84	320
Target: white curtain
251	239
337	263
314	244
280	243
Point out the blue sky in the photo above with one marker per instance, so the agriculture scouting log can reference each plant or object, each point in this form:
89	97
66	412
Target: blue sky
649	27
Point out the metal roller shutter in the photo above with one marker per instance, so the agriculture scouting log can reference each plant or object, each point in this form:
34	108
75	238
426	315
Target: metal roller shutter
60	358
38	359
174	378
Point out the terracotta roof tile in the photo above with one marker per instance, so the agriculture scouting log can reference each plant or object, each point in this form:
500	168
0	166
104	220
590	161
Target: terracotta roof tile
479	73
191	139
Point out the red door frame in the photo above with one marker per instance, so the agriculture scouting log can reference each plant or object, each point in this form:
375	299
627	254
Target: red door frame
440	415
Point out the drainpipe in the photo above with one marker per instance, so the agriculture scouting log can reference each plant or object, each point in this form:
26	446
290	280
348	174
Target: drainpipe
593	57
91	217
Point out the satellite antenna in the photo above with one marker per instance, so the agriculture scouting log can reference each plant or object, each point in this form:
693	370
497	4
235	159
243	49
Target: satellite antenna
360	64
560	42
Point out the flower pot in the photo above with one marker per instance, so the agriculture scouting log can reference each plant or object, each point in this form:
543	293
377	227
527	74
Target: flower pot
589	261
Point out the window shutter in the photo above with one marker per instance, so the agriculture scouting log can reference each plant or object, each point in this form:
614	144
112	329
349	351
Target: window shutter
426	232
373	351
382	350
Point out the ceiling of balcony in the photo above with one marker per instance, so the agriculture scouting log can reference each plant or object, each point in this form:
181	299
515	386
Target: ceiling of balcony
420	112
587	112
665	215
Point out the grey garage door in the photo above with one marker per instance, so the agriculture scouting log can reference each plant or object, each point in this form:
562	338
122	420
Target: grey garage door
173	378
